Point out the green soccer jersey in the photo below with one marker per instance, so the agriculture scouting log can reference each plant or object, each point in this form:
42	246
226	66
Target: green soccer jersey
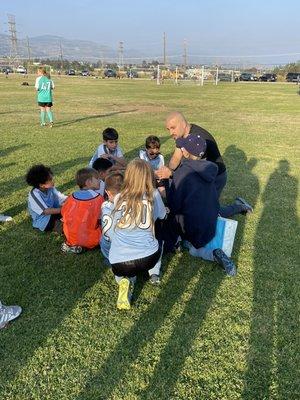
44	88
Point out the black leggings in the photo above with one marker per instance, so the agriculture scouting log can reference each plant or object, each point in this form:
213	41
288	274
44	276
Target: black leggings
132	267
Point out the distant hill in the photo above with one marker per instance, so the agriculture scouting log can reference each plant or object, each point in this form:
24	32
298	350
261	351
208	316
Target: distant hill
48	46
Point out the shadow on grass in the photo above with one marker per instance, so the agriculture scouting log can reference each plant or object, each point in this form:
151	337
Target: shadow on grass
273	359
7	188
8	150
74	121
143	331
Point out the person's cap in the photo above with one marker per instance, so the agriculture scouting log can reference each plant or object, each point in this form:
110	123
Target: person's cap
194	144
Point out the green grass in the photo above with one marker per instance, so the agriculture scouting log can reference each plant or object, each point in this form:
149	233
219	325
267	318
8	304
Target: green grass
199	335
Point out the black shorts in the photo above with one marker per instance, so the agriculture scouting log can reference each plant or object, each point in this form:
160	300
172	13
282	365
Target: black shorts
133	267
41	104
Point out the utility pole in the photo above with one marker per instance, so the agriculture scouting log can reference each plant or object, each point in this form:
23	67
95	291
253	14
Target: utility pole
29	52
61	57
185	54
121	54
165	56
13	39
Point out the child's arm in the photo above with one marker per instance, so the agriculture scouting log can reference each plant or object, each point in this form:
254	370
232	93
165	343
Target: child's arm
51	211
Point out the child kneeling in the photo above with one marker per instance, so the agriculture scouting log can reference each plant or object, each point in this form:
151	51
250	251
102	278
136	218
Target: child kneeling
134	248
81	214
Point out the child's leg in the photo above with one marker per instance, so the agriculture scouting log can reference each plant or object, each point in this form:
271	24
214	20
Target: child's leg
43	116
217	255
202	252
154	272
50	115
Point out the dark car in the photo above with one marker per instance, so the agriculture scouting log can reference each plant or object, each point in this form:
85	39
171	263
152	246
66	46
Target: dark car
85	72
224	77
110	73
70	72
293	77
132	74
246	76
6	69
268	78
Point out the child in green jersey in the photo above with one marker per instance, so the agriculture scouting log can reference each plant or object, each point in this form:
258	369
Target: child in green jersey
44	86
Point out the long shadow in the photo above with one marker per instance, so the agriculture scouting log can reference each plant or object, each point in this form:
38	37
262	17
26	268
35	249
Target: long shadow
7	188
273	359
11	149
142	332
241	182
74	121
46	283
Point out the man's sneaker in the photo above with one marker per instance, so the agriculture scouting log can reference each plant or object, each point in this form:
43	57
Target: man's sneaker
5	218
246	207
225	262
8	313
65	248
123	302
155	279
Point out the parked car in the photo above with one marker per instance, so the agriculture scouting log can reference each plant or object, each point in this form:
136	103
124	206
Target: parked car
268	78
7	69
132	74
246	76
85	72
110	73
21	70
293	77
70	72
224	77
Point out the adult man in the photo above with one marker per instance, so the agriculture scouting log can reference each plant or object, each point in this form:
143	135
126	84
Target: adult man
178	127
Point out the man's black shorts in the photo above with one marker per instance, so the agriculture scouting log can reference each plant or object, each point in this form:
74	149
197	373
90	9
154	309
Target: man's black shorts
41	104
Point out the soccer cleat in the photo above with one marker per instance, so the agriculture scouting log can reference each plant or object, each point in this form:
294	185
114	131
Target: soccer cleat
8	313
155	280
5	218
247	208
51	124
123	302
65	248
225	262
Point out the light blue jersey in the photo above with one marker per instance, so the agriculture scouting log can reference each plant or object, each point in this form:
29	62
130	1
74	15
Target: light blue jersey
103	149
134	242
155	163
106	224
39	201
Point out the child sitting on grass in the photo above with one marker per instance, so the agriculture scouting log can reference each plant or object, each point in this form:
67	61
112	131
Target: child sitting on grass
110	149
81	214
103	166
134	247
44	200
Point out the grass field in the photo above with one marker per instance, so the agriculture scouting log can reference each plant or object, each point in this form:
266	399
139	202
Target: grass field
199	335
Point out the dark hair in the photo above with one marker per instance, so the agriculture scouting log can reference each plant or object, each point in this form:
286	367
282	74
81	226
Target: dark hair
102	164
83	174
110	134
38	174
152	142
114	182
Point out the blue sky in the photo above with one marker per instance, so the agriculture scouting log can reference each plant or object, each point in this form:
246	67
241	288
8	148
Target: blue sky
231	28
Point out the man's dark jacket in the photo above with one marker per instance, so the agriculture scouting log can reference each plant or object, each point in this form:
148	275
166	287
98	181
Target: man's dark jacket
193	197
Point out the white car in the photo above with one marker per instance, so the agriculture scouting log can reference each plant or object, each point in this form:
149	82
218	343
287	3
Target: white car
21	70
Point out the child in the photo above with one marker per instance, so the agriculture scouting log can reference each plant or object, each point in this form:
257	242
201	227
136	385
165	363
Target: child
103	166
194	205
151	153
134	247
44	86
110	149
81	213
44	200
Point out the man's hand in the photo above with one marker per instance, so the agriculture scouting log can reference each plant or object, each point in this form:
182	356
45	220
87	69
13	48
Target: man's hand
163	173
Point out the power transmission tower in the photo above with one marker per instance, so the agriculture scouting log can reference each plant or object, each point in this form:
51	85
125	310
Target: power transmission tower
121	54
164	41
185	53
13	39
61	56
28	51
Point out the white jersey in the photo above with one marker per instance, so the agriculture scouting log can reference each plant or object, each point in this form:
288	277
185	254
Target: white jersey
134	242
155	163
103	149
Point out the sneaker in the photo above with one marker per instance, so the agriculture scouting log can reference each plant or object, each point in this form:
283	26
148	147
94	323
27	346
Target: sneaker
123	302
5	218
43	124
65	248
51	125
225	262
247	208
155	279
8	313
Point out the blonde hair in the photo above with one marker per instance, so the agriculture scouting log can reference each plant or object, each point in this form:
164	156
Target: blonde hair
137	188
43	70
